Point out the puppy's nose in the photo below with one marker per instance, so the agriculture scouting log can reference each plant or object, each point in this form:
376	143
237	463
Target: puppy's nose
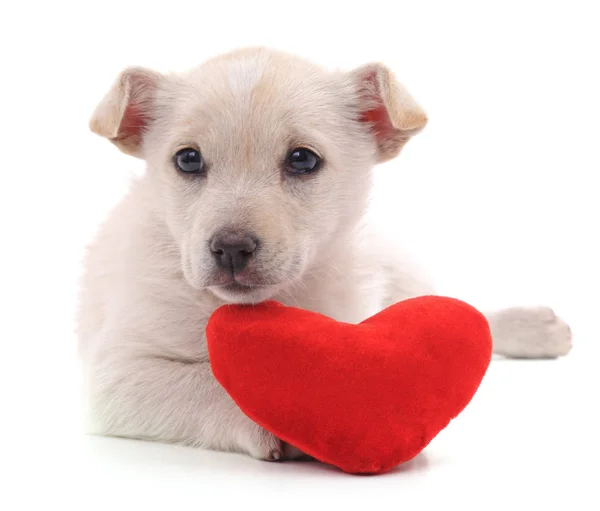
232	251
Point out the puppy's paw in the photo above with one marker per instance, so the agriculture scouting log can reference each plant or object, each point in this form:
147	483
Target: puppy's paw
262	445
530	332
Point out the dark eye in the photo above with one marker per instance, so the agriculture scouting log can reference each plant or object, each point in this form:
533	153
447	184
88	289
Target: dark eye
189	160
302	161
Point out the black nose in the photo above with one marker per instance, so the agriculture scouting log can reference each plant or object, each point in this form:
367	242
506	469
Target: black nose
232	251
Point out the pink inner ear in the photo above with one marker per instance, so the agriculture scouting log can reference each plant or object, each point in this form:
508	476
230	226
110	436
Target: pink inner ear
378	117
380	121
133	123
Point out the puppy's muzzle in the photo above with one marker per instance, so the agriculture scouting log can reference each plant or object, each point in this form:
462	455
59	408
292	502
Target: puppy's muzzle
232	250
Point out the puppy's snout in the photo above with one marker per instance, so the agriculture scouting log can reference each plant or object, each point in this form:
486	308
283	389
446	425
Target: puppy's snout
232	250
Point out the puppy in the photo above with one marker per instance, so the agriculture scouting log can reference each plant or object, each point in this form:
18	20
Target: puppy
258	172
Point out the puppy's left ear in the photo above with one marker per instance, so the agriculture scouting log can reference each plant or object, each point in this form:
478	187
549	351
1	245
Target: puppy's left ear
391	113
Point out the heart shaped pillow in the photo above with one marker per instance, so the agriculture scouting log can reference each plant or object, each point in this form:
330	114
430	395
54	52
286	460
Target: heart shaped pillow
364	397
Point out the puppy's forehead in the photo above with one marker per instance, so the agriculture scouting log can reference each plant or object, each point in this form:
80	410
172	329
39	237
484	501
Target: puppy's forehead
259	89
244	73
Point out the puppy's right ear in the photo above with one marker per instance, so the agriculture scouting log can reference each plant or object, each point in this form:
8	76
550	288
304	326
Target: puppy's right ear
127	109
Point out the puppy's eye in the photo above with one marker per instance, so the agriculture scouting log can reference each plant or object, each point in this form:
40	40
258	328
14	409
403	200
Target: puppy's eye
302	161
189	160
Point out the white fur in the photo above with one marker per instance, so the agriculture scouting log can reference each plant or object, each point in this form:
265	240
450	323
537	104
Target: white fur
245	73
151	283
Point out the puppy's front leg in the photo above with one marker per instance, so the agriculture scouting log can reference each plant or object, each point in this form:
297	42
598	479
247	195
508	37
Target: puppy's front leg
529	332
156	398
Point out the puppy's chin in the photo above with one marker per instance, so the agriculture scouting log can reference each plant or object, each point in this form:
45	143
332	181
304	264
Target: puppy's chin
237	293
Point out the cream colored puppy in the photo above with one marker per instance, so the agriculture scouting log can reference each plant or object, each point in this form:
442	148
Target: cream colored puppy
258	171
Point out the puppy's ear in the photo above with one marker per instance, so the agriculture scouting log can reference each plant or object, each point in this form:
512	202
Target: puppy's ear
127	109
386	106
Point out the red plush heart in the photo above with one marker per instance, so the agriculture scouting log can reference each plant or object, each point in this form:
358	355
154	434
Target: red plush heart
363	397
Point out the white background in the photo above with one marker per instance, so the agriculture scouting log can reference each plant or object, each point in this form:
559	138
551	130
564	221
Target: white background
498	198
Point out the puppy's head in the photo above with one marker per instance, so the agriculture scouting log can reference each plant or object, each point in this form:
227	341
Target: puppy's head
260	162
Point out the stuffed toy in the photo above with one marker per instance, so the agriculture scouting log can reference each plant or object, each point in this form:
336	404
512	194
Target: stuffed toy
364	397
